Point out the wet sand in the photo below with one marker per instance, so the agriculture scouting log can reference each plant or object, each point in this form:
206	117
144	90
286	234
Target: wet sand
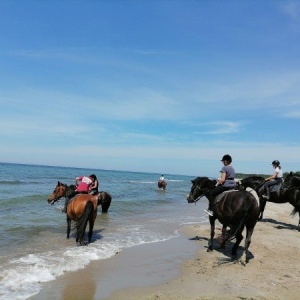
182	269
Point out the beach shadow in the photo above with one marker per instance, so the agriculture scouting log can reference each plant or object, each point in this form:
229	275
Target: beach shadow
229	258
198	238
280	225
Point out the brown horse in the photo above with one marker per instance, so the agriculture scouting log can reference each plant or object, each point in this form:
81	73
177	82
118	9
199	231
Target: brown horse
82	209
236	210
162	184
64	191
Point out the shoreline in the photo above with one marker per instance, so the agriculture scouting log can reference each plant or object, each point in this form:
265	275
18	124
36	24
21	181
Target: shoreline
271	273
181	268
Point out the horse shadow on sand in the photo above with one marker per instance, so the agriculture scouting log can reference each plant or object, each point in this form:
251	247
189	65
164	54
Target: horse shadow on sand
280	225
229	258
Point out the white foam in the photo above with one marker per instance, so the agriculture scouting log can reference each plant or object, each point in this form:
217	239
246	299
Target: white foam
23	277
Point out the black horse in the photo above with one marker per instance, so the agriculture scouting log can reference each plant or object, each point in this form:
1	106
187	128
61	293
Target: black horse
288	193
235	209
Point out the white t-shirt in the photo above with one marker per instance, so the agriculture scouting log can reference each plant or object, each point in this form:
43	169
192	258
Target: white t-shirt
279	173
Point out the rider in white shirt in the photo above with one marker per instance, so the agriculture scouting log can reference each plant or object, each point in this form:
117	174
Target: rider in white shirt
162	178
276	178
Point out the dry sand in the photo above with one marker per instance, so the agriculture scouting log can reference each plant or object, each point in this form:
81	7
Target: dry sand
182	269
272	272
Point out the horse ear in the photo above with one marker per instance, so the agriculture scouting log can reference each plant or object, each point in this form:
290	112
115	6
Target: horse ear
291	173
58	183
193	181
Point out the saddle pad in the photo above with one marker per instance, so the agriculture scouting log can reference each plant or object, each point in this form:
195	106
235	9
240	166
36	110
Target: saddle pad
220	196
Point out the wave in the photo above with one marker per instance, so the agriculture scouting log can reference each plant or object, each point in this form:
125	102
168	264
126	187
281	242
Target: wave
12	182
44	267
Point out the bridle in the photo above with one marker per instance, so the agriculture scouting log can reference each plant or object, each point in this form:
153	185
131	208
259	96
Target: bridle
199	197
56	191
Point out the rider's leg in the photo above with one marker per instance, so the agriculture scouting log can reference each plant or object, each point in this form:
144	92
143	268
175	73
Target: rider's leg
212	196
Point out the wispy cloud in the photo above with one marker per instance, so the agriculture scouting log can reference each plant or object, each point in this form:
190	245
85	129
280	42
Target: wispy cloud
221	127
292	114
291	9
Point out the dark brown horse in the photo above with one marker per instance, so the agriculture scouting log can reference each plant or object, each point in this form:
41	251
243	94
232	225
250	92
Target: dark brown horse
64	191
162	184
82	209
288	193
235	209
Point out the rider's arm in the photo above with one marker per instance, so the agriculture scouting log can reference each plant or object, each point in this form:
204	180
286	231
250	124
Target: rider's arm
222	179
272	177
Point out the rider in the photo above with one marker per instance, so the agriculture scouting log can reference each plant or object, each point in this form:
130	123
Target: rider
276	178
161	178
226	182
93	188
83	183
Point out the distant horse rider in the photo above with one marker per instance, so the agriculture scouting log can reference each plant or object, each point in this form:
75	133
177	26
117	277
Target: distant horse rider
275	179
225	183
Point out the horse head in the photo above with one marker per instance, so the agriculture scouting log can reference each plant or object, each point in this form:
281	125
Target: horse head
58	192
200	187
292	180
104	199
253	182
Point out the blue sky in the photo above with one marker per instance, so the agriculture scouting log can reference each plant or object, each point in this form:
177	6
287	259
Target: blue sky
155	86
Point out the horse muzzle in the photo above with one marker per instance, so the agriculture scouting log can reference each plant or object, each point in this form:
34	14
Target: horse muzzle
190	199
52	201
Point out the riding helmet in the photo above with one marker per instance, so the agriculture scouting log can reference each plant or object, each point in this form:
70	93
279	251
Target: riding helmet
275	162
227	157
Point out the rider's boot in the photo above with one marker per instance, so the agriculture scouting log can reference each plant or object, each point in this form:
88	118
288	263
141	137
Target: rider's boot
267	194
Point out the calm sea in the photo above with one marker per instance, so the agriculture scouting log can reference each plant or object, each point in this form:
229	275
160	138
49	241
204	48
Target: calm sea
34	248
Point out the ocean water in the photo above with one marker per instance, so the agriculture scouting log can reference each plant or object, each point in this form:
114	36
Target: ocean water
33	244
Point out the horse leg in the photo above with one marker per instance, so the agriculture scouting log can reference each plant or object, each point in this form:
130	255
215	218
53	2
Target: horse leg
68	227
239	238
212	234
223	241
262	205
244	258
91	226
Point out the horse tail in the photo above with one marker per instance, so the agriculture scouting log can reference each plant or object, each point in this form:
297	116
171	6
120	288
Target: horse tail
233	231
82	221
295	211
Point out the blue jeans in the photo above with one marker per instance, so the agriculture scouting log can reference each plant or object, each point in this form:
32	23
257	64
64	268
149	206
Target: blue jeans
268	184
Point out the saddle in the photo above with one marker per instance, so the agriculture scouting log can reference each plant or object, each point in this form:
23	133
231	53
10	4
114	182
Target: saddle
276	188
220	196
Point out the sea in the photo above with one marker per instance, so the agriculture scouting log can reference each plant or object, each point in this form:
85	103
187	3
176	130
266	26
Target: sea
33	245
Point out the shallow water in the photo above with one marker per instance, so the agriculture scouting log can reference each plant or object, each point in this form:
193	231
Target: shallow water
34	248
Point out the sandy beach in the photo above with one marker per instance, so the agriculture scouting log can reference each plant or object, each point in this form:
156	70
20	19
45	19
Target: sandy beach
182	269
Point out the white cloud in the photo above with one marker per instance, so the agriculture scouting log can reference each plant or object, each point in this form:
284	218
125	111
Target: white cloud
292	114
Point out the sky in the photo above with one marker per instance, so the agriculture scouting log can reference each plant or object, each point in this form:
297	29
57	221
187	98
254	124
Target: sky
151	86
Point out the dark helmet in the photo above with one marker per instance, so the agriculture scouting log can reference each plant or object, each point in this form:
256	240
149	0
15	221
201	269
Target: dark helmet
227	157
276	162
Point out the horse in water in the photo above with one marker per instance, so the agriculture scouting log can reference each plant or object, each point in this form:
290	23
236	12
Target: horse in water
82	209
64	191
235	209
162	184
289	192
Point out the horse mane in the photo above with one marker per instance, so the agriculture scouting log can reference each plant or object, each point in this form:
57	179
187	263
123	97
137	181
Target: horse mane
197	180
